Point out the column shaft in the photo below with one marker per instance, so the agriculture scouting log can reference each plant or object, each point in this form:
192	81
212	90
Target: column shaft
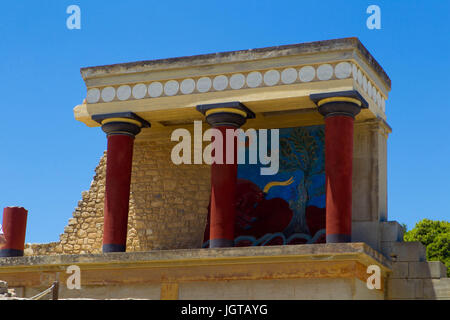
14	227
339	110
223	116
117	191
223	192
338	172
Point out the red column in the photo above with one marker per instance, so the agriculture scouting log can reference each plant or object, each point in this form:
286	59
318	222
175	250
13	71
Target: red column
223	195
338	173
120	128
119	159
14	227
339	110
223	116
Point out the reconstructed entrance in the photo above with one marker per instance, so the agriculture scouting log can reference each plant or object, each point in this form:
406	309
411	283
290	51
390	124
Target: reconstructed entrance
317	222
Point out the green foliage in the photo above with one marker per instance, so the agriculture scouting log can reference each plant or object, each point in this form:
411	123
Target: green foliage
435	235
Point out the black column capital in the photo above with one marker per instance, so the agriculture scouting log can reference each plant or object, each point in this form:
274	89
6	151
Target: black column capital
127	123
233	114
344	103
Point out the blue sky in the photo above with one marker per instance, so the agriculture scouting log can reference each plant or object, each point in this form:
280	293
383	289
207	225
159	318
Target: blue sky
48	158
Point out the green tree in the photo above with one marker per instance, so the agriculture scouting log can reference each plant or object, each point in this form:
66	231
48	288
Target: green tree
435	235
301	151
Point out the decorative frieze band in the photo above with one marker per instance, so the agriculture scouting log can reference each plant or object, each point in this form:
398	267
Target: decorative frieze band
236	81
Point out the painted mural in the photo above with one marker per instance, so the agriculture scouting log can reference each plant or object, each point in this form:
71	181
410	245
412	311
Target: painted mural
289	207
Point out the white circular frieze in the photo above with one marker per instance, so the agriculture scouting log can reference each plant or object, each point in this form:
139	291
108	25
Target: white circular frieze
187	86
325	72
237	81
124	92
155	89
93	95
203	84
307	74
365	83
343	70
359	77
254	79
220	83
108	94
139	91
271	77
288	75
171	87
354	72
369	89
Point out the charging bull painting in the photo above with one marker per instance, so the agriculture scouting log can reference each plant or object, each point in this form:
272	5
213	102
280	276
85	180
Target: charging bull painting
289	207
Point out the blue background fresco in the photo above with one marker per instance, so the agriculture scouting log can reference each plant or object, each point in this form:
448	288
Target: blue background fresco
302	158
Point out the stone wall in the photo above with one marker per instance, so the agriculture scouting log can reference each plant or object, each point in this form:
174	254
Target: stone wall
168	202
168	206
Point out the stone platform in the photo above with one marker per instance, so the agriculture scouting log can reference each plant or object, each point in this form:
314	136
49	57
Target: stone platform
317	271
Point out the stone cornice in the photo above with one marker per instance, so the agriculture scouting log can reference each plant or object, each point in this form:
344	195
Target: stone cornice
315	47
268	80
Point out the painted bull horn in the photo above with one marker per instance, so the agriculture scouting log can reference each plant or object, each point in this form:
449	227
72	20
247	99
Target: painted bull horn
278	183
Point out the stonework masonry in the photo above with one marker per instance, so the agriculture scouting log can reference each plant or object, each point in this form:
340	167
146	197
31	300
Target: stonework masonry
168	206
168	209
168	203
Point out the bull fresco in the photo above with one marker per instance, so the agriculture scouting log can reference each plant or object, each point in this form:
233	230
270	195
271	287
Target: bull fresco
288	207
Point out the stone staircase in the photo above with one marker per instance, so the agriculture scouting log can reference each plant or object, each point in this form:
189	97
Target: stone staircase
413	277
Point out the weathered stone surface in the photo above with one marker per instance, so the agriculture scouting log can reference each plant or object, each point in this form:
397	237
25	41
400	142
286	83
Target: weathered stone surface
429	269
405	289
369	172
436	288
324	251
400	270
404	251
391	231
153	219
366	231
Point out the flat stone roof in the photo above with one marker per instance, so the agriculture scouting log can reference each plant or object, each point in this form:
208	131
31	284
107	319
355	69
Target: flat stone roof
342	44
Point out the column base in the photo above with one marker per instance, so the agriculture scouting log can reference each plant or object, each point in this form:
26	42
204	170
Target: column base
221	243
338	238
11	253
113	248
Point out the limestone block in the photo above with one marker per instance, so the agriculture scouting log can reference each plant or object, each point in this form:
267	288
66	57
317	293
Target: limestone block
405	289
436	288
404	251
391	231
400	270
81	233
428	269
366	231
